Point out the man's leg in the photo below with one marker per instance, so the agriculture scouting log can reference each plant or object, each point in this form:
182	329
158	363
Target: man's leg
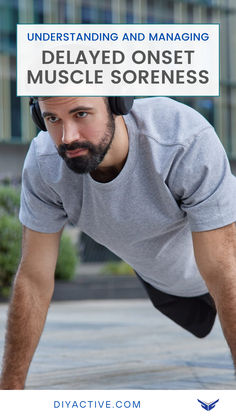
195	314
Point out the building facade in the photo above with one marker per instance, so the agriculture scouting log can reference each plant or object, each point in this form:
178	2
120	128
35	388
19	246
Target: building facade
16	126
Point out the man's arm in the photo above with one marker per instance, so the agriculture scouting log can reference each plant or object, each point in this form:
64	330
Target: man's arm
32	292
215	253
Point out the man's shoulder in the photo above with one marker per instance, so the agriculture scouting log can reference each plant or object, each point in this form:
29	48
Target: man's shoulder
42	150
167	120
43	159
43	145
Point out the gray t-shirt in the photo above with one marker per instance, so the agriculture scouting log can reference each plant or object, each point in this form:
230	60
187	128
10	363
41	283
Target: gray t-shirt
176	180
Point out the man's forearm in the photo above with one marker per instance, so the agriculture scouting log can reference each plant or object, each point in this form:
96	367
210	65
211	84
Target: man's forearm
26	318
225	299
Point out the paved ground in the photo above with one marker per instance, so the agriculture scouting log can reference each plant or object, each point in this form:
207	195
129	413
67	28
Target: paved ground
124	344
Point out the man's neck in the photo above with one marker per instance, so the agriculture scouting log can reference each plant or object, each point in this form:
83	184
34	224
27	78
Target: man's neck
116	155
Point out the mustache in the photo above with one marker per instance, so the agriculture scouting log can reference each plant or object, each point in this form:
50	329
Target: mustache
62	148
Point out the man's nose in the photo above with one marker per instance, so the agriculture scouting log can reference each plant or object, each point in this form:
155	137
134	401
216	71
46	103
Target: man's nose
70	133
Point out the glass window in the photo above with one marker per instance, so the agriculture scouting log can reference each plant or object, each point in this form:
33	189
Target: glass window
8	21
129	15
38	12
160	11
104	11
15	114
89	12
62	12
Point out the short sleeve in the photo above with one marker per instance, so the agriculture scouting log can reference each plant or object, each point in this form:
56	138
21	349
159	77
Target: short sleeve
202	182
41	209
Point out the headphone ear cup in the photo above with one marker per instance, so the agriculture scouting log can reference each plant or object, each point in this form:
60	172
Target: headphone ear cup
36	115
121	105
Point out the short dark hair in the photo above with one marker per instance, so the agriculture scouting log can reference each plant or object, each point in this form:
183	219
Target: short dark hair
41	97
106	100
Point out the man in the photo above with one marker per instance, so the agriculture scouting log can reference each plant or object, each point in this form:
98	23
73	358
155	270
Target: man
154	186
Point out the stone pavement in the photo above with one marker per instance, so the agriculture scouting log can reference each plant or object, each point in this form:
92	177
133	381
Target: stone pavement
123	344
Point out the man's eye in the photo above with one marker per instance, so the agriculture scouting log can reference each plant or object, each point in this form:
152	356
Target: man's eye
82	114
52	119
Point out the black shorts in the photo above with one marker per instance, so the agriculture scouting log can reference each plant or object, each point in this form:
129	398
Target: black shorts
195	314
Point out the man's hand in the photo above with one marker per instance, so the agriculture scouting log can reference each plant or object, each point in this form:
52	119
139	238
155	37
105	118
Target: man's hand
215	254
32	292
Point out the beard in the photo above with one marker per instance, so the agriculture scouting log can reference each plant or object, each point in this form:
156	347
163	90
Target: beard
96	153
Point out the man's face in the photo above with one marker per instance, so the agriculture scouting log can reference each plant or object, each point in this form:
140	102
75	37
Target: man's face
82	128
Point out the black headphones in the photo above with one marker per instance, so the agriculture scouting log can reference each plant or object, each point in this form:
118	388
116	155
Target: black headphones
120	105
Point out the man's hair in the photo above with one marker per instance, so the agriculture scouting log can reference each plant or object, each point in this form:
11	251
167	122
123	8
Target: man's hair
41	97
37	98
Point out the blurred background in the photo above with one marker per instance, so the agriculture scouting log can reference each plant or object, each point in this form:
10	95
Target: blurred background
16	127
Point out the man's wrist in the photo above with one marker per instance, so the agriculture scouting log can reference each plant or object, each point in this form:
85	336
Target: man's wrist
14	384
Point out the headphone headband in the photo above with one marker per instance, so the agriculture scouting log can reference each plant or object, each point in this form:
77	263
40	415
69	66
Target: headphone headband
120	105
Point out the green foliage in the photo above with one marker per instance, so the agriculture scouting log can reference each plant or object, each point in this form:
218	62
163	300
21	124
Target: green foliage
67	259
10	243
10	234
117	268
9	200
6	181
